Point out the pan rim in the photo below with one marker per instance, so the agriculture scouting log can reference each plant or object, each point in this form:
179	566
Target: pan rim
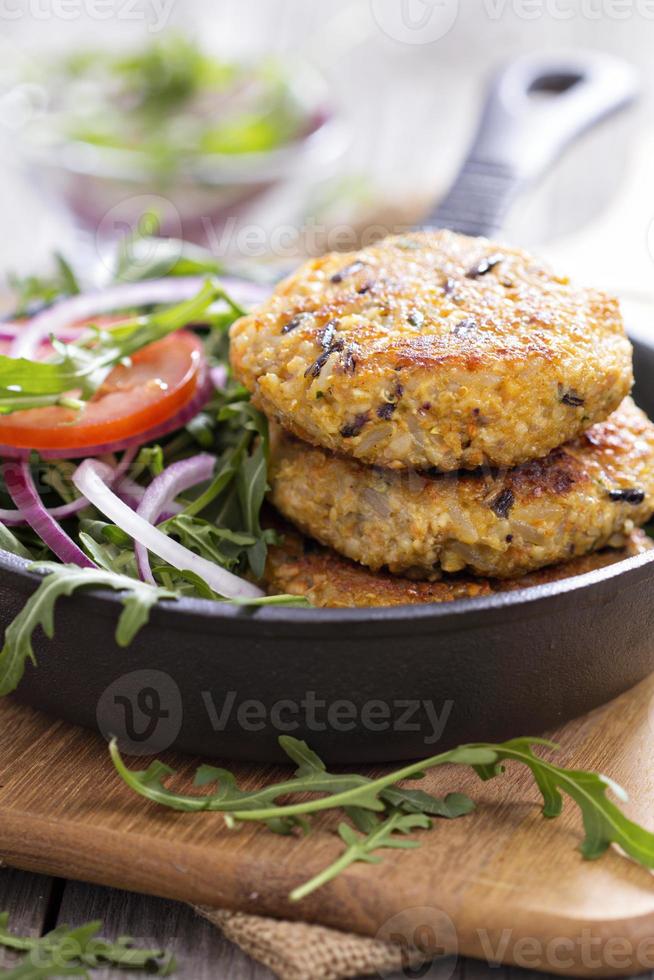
458	613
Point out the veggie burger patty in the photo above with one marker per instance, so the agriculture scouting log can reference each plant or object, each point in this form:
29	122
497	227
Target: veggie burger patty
434	350
499	523
300	567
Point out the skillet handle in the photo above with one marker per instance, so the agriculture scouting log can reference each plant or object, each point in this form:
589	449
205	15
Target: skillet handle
535	107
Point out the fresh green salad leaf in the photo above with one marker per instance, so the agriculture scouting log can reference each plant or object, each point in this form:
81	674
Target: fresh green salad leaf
604	822
220	523
381	809
217	544
252	484
62	580
143	256
72	952
382	834
241	479
137	601
85	365
156	99
168	71
9	542
150	458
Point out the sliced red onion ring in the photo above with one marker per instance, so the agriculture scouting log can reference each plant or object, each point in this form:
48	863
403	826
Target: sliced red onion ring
174	480
190	410
91	478
173	290
16	518
132	493
127	459
22	491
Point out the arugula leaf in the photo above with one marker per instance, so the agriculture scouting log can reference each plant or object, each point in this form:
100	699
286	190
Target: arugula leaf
380	808
252	485
362	848
417	801
86	364
217	544
201	427
184	582
308	762
63	580
71	952
113	550
149	458
270	600
236	493
252	478
9	542
228	796
57	474
143	256
310	776
604	822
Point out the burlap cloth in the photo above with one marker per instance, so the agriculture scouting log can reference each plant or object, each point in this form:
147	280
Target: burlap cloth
297	951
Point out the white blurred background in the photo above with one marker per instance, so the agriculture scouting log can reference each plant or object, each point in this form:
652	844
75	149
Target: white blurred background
408	103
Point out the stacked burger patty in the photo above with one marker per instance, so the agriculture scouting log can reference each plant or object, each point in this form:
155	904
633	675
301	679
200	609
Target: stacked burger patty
448	415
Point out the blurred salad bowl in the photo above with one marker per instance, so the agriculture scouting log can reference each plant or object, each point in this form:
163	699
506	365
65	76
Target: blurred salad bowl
206	136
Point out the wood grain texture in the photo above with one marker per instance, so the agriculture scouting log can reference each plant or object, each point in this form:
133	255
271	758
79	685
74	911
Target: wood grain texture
201	951
512	884
31	901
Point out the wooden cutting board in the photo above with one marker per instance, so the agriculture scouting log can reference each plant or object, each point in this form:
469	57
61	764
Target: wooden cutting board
502	883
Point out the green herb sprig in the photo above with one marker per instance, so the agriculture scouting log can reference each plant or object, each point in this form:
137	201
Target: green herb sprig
379	808
363	847
142	254
137	599
72	952
63	580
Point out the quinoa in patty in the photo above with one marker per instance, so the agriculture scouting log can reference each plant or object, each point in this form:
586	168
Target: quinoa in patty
434	350
298	566
499	523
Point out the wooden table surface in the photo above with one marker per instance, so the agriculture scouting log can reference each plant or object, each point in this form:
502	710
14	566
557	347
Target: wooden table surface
39	903
578	190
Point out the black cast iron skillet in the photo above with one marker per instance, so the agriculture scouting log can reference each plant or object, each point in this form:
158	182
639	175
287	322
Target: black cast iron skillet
367	685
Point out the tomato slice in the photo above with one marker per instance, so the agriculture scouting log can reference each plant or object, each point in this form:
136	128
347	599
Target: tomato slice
161	379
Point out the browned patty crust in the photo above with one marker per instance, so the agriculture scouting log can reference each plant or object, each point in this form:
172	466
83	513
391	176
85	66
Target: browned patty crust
499	523
434	350
300	567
